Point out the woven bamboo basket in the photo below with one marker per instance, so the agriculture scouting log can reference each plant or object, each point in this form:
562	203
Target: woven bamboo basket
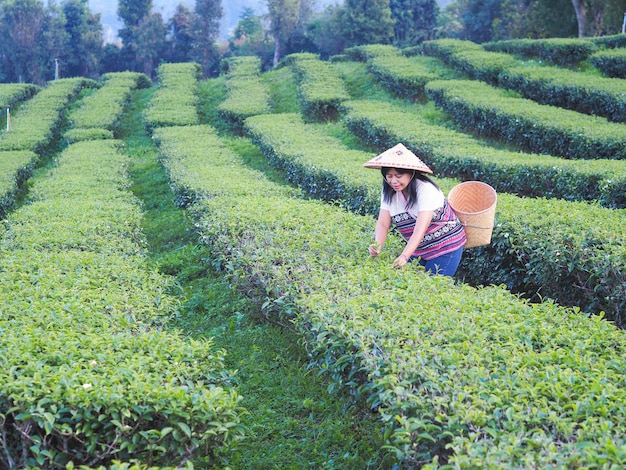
474	203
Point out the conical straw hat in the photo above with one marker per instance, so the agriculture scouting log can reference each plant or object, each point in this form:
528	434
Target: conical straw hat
398	157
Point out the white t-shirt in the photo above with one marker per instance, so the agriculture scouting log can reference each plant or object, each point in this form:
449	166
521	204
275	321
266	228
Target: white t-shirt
429	198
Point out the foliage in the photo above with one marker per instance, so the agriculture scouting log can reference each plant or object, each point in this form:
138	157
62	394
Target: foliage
320	86
175	101
247	94
538	128
21	27
403	76
180	35
135	392
366	328
558	51
84	40
575	90
611	62
40	118
414	21
455	154
204	31
366	22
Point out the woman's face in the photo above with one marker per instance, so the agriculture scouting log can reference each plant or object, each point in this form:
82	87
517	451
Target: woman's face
398	181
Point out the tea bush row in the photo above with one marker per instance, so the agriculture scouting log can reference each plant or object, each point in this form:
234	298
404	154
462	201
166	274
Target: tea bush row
174	102
16	166
33	129
99	112
578	91
459	376
403	76
369	51
321	88
565	52
494	112
88	376
14	93
456	154
611	63
559	51
41	117
571	252
247	94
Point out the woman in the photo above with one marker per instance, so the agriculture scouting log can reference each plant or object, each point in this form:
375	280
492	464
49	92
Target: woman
419	210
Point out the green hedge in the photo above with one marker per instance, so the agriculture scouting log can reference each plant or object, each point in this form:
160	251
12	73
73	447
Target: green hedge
103	108
321	88
247	93
611	63
447	367
565	52
369	51
527	253
15	169
578	91
88	375
455	154
534	127
174	103
404	76
39	119
14	93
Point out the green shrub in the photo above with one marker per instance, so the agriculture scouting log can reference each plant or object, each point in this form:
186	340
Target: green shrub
533	127
13	93
321	88
445	366
564	52
15	169
247	93
174	103
40	118
611	63
455	154
88	375
403	76
591	236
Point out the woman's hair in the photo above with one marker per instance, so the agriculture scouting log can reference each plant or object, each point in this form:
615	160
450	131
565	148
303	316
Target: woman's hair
388	191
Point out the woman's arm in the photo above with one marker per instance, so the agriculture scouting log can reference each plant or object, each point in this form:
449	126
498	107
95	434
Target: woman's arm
380	234
422	223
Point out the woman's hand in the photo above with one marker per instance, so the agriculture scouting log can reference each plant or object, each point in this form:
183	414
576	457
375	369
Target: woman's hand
400	261
374	249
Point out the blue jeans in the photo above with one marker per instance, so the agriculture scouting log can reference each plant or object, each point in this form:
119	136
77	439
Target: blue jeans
445	265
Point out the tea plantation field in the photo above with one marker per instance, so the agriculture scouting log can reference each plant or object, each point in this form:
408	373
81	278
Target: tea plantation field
186	280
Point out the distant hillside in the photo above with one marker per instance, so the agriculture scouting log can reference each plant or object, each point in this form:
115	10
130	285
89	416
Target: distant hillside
232	11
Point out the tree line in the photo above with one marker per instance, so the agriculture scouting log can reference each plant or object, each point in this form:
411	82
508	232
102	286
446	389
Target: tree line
40	40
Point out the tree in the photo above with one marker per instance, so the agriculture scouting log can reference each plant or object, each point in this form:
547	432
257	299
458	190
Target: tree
534	19
54	41
283	18
132	13
21	26
150	42
180	34
83	50
326	31
415	21
598	17
205	30
249	26
249	38
367	22
478	17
